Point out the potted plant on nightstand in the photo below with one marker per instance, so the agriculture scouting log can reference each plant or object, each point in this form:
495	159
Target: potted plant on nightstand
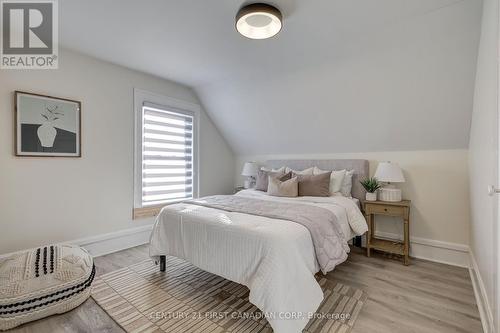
371	186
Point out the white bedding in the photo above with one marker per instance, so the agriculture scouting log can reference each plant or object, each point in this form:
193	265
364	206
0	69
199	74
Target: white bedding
274	258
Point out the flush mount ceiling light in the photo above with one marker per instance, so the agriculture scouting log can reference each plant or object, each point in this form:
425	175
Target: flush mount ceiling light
258	21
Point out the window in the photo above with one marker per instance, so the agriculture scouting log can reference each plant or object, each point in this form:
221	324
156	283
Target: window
165	168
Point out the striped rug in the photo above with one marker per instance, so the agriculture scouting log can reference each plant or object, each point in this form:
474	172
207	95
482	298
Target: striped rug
185	298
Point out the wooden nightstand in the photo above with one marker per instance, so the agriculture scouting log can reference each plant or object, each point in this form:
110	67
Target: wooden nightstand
399	209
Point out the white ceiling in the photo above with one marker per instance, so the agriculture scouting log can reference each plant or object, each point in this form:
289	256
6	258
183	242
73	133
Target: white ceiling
342	75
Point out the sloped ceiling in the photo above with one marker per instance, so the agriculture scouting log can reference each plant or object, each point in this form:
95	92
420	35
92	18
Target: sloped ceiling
342	75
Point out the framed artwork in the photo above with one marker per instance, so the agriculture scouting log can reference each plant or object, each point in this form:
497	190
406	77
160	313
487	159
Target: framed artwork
47	126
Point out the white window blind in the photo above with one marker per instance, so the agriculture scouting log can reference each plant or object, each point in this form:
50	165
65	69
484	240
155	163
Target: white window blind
167	155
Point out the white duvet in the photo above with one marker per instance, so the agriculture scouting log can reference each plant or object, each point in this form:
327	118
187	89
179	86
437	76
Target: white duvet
274	258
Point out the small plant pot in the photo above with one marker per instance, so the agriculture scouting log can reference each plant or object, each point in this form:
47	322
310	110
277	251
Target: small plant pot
371	196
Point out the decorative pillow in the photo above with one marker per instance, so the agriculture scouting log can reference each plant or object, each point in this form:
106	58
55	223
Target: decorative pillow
308	171
262	182
287	188
314	185
347	184
281	170
336	178
286	176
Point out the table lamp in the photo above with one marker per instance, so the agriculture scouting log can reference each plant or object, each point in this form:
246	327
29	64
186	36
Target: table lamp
250	170
389	173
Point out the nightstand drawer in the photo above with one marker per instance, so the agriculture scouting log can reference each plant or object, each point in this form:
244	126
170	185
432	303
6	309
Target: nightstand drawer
384	210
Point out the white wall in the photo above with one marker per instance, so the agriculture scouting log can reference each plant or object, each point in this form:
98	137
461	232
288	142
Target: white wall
46	200
483	157
436	183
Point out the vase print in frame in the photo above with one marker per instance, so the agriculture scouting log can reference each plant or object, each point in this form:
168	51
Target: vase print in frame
47	126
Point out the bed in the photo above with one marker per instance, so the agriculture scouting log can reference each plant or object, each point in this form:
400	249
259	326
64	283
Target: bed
276	258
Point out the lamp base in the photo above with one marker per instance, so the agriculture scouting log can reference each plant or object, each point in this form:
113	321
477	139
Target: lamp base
390	194
248	183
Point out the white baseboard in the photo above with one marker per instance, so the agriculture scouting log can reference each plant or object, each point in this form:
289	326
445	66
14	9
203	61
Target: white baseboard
483	304
115	241
434	250
102	244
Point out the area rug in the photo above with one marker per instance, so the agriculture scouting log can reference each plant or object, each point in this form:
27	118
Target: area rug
185	298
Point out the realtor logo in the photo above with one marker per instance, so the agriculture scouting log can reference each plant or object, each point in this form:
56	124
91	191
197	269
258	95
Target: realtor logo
29	34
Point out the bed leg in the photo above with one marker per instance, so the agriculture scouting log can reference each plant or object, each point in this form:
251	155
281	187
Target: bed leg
357	241
163	263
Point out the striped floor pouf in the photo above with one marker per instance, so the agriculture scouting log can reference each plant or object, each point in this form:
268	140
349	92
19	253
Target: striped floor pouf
43	281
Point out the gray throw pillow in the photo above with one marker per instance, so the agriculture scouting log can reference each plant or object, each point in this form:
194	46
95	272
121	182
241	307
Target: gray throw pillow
314	185
286	176
261	181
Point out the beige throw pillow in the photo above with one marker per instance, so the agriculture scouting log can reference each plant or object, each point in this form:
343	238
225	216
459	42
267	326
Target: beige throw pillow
287	188
314	186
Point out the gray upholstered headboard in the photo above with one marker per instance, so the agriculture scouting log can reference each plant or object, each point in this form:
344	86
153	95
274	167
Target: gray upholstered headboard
360	168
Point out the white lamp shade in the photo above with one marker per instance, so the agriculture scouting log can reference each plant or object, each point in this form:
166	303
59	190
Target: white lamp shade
389	172
250	169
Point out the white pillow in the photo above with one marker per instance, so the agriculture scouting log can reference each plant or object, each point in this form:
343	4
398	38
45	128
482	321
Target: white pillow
347	184
307	172
336	179
280	170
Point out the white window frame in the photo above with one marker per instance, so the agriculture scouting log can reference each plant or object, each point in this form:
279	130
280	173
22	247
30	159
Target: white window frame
168	103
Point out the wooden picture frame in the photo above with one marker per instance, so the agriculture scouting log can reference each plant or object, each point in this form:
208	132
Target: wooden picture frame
46	126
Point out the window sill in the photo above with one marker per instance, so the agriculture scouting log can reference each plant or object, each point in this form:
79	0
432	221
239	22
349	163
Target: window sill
151	211
143	212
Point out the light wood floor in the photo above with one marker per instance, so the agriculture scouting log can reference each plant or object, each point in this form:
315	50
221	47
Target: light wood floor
423	297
